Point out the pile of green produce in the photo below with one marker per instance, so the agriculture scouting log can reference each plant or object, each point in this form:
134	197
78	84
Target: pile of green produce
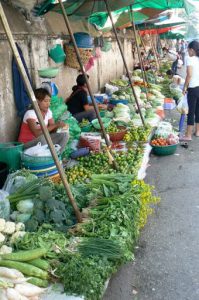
119	82
112	128
84	123
30	264
138	134
34	204
114	209
122	95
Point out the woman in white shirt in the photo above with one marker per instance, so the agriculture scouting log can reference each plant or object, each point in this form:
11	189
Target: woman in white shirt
191	87
31	132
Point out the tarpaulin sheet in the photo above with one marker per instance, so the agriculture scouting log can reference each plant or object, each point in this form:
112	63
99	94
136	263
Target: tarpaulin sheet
156	31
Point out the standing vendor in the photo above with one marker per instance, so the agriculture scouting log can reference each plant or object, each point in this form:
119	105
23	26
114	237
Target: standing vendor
78	104
31	132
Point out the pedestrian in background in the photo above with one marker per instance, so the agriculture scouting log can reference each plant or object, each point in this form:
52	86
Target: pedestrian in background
191	87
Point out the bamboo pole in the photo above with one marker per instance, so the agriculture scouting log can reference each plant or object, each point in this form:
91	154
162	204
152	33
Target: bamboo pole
155	52
153	48
138	48
66	20
124	60
38	112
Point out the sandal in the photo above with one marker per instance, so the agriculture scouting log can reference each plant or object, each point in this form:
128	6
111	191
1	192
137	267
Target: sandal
185	139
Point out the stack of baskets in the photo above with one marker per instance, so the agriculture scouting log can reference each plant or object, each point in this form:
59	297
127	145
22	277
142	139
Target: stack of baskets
41	166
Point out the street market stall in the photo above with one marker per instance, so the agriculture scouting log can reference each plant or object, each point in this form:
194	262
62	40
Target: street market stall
78	228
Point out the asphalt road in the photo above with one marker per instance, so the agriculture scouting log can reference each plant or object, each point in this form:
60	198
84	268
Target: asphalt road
166	265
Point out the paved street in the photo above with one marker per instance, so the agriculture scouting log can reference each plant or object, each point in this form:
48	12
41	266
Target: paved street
166	265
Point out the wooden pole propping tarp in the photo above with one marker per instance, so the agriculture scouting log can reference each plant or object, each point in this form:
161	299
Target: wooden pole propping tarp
86	78
38	112
137	46
124	61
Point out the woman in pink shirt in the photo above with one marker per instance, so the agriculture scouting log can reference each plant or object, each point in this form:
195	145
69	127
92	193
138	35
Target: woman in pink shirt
31	132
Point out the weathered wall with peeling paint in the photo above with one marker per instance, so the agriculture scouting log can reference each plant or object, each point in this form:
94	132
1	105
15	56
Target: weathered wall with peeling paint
35	39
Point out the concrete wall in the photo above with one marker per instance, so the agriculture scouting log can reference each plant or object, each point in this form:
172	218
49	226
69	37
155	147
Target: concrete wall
35	40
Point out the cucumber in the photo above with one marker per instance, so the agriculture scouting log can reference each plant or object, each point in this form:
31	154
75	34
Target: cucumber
24	268
40	263
24	255
39	282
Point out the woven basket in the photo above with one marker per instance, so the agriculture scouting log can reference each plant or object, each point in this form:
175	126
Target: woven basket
71	58
117	136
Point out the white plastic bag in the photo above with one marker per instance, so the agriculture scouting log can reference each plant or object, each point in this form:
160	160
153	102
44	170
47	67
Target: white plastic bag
4	205
41	150
182	106
110	89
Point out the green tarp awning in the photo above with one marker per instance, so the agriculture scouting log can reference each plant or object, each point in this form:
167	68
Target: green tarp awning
87	8
171	36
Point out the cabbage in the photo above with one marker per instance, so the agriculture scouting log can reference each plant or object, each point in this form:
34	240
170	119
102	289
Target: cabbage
25	206
23	218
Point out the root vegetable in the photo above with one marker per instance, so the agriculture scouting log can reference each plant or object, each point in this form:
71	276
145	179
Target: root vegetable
3	295
28	289
10	273
13	294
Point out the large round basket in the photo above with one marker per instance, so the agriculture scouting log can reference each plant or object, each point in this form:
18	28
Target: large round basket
164	150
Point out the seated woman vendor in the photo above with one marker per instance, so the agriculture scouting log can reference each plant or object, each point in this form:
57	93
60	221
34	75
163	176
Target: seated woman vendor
78	104
31	133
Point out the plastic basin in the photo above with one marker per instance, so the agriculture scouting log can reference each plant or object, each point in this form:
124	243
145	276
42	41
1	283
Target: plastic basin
57	54
115	102
164	150
10	153
48	72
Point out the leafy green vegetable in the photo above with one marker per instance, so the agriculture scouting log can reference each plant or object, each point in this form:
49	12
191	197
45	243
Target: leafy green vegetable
85	276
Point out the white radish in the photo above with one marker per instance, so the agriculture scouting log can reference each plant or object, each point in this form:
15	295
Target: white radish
13	294
34	298
14	281
3	295
29	290
10	273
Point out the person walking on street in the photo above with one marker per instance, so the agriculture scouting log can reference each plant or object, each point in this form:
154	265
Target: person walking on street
183	51
191	87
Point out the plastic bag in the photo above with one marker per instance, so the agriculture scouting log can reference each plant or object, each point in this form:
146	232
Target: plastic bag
4	205
41	150
110	89
164	129
182	106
